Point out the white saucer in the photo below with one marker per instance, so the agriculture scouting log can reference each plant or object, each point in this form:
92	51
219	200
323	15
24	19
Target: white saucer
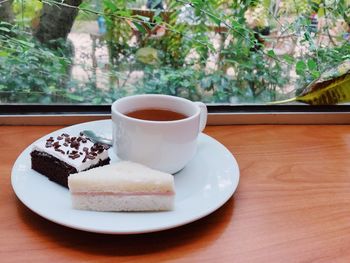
203	186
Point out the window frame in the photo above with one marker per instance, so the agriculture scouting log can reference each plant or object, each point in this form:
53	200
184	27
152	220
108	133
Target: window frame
24	114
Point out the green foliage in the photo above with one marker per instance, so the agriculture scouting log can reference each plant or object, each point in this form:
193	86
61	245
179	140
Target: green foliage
167	80
118	30
182	53
33	73
320	61
214	51
190	83
26	11
30	72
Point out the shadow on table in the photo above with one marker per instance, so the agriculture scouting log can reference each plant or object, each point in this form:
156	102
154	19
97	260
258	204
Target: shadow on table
208	229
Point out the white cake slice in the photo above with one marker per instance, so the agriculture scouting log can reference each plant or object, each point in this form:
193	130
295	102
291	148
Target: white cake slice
122	186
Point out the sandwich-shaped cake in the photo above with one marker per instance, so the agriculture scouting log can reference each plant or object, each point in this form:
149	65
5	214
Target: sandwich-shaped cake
122	186
58	157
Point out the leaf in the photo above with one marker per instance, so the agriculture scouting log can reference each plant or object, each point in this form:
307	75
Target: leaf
5	29
332	87
139	27
5	23
97	100
300	67
3	53
25	43
311	64
215	19
110	5
271	54
315	74
142	18
337	92
147	55
289	59
75	97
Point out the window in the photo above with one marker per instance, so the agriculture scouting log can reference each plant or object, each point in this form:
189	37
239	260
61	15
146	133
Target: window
240	54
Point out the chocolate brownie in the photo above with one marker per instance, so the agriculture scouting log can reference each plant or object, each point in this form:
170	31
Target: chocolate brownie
58	157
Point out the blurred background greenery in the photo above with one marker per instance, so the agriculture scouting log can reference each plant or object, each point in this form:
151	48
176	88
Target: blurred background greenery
222	51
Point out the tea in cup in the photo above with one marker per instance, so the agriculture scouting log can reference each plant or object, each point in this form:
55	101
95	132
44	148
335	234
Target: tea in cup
159	131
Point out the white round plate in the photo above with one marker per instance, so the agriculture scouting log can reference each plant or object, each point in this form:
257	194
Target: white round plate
204	185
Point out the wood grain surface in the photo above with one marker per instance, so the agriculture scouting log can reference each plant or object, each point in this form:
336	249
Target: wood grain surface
292	205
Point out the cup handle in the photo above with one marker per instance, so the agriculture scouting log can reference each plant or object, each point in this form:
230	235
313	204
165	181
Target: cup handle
203	115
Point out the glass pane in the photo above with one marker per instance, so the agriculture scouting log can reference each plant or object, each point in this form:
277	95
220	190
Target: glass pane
219	52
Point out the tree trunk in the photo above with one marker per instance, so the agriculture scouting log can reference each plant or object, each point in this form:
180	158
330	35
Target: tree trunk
56	21
6	12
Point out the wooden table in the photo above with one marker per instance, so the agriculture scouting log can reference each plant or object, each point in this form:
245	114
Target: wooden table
292	205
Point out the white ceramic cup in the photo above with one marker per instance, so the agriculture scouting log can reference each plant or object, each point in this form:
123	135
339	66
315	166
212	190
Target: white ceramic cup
163	145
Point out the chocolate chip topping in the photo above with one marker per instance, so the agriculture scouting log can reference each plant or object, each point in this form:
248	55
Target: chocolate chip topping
74	156
105	147
75	144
